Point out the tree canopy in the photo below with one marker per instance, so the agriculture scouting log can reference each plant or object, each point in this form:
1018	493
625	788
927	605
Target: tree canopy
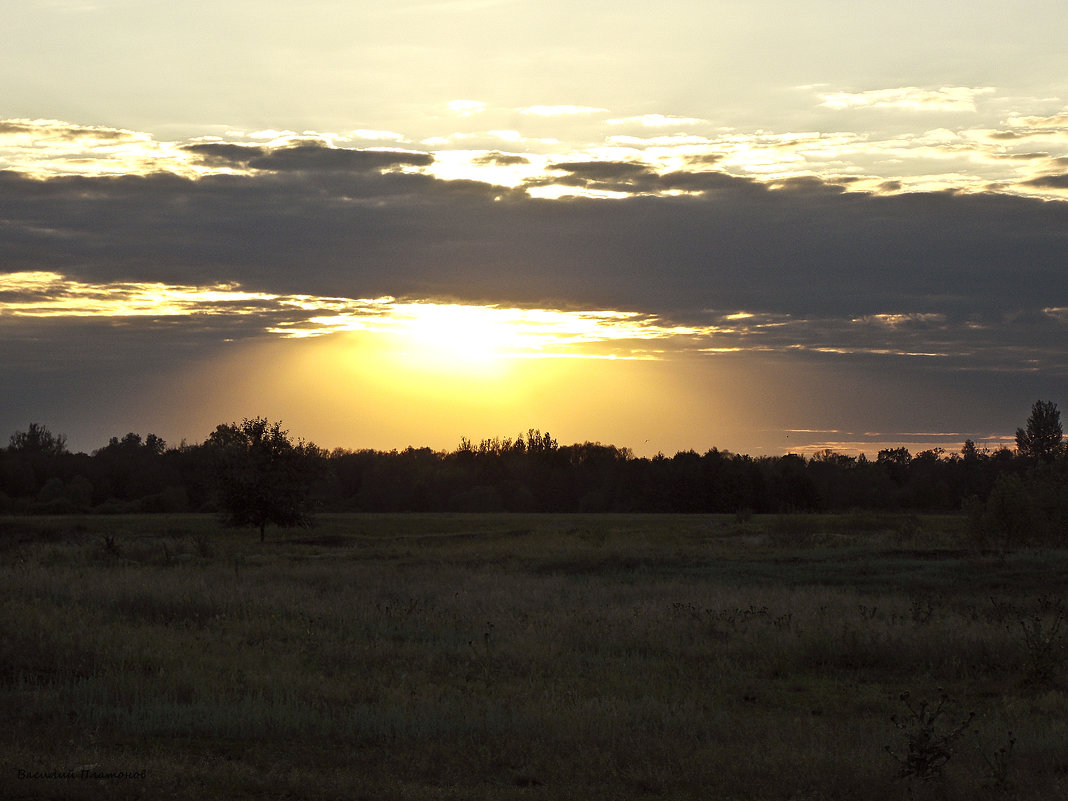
263	477
38	440
254	474
1041	439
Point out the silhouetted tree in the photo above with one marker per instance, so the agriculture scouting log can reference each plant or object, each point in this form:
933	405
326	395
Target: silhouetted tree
256	476
129	471
1041	440
791	486
262	476
1028	505
32	458
38	440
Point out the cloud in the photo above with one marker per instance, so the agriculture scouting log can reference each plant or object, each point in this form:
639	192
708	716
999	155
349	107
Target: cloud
672	140
499	159
603	170
622	179
49	294
804	245
935	276
1042	123
913	98
224	154
228	312
559	111
317	157
657	121
465	108
695	269
48	147
1058	181
41	130
961	281
940	158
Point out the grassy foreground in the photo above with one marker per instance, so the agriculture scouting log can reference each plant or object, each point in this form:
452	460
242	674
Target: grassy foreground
529	657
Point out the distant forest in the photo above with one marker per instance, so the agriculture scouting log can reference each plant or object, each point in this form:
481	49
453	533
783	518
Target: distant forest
534	473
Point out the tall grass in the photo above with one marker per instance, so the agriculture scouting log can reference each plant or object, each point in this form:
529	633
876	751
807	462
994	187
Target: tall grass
526	657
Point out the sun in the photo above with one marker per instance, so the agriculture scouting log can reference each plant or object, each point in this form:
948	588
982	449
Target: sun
455	337
496	346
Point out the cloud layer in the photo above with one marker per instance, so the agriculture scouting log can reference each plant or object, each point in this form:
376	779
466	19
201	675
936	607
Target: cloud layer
184	246
939	274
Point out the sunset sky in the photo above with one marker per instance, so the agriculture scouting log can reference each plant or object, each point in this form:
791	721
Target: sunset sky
760	226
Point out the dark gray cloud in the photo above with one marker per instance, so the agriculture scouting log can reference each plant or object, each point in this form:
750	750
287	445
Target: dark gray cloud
704	159
1059	181
633	178
329	222
954	297
316	157
62	131
221	154
604	170
303	157
501	159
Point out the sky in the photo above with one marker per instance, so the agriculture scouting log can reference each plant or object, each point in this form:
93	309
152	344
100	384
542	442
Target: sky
762	227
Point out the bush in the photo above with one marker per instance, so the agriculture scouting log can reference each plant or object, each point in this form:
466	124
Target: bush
929	738
1022	510
1006	518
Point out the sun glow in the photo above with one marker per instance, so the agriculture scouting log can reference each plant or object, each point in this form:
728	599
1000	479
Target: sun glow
482	335
49	294
356	389
437	336
451	335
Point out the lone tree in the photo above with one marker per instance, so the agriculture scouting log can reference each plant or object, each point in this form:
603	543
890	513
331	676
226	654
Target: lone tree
1041	440
262	476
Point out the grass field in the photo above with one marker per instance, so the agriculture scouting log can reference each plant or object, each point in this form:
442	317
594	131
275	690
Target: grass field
530	657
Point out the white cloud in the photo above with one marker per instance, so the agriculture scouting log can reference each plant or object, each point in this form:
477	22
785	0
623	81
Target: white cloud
270	134
381	136
674	140
1053	122
518	332
657	121
465	108
557	111
53	147
946	98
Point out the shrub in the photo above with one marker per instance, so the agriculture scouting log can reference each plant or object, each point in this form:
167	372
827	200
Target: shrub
929	740
1006	519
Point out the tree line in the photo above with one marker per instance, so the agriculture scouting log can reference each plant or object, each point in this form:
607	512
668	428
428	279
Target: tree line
253	473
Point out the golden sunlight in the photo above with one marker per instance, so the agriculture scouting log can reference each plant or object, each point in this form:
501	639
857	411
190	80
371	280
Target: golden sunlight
49	294
433	337
367	395
450	335
439	333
